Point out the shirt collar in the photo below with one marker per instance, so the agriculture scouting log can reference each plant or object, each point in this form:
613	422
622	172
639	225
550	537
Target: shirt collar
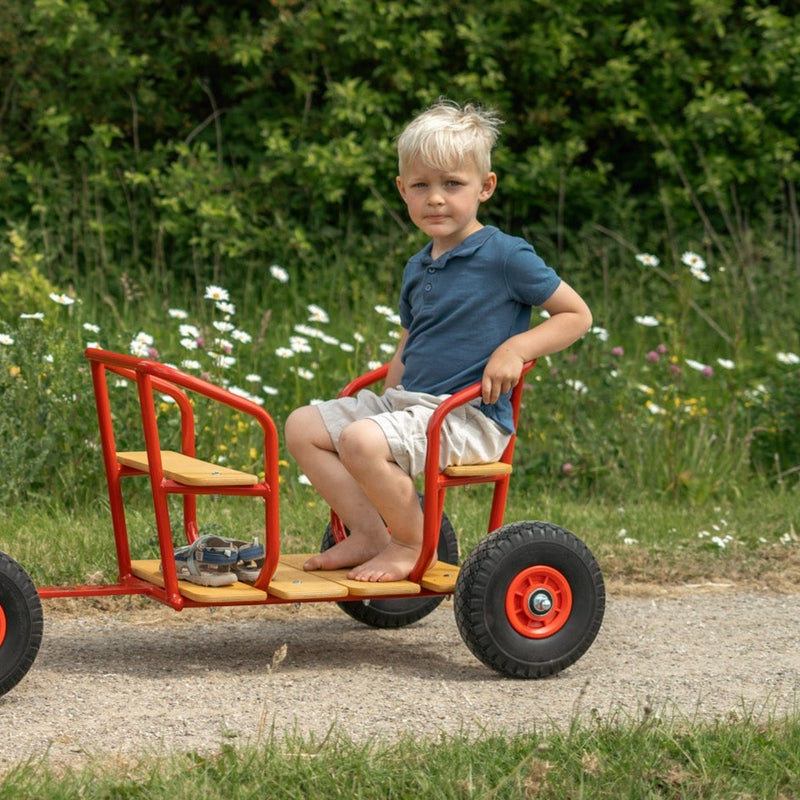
466	248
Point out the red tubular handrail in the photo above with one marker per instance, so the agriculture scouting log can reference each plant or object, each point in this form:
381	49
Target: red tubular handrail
151	377
436	482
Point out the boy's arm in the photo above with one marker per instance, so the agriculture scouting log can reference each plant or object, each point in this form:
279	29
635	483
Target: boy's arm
396	367
569	319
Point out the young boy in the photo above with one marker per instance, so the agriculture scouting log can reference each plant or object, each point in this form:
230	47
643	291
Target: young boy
465	309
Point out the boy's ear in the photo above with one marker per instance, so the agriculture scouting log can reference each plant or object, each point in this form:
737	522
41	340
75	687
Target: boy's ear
489	185
401	187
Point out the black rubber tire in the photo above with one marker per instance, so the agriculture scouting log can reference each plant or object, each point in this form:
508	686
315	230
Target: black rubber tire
486	577
398	613
22	620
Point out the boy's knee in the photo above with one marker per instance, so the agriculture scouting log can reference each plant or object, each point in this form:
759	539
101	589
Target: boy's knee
296	429
360	443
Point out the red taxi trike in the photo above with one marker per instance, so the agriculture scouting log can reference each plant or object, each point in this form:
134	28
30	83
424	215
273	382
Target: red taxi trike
529	599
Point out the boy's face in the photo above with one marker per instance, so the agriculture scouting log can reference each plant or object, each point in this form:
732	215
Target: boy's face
444	203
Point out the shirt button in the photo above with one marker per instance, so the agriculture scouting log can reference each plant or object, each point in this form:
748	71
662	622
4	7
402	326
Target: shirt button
431	270
428	287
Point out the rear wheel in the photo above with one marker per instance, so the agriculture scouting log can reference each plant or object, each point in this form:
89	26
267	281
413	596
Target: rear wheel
402	611
21	623
529	600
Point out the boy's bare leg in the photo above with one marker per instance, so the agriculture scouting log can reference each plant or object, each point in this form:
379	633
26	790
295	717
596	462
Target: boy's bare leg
365	453
310	444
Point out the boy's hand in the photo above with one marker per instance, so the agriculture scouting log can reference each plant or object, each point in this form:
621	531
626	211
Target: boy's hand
502	374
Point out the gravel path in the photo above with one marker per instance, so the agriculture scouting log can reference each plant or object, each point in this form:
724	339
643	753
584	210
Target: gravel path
133	680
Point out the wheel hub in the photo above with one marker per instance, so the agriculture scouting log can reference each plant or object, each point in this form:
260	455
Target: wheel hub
538	602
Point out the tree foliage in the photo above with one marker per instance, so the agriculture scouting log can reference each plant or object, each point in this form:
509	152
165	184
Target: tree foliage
207	138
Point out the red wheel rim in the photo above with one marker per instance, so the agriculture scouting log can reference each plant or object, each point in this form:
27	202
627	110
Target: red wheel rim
2	626
538	602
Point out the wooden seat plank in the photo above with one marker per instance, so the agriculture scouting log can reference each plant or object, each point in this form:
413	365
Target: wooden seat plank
189	470
478	470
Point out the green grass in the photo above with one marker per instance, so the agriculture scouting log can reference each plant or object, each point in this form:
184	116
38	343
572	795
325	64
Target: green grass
645	758
745	541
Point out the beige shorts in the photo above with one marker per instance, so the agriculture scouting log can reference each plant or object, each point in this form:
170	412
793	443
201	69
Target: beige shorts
468	436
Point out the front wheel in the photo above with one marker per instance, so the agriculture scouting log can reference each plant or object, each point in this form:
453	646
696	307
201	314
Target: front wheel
529	600
21	623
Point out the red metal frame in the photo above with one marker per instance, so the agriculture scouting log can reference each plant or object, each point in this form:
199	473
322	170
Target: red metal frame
152	379
437	483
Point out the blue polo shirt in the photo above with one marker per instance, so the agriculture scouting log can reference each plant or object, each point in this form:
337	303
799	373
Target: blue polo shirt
460	307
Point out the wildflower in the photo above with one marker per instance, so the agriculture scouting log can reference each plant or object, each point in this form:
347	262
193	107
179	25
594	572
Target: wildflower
189	344
617	351
788	358
299	344
726	363
566	468
317	314
693	261
330	340
188	330
389	349
305	374
646	389
304	480
600	333
94	345
661	349
653	356
241	336
216	293
38	315
698	365
6	339
224	344
359	337
223	327
139	349
348	348
647	320
579	386
62	299
648	260
271	390
226	308
48	358
284	352
654	409
144	338
190	363
700	275
307	330
224	361
279	273
389	313
252	378
374	364
177	313
88	326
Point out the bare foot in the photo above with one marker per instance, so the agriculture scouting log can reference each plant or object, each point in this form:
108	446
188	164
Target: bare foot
393	563
355	549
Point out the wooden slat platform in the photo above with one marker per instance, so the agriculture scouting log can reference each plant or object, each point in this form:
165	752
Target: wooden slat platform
292	583
188	470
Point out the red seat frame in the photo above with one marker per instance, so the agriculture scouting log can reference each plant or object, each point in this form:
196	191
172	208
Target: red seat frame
437	483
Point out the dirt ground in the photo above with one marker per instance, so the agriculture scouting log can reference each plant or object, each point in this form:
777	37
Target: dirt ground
129	679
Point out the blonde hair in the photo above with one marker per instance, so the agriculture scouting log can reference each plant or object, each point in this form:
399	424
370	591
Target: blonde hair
446	135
